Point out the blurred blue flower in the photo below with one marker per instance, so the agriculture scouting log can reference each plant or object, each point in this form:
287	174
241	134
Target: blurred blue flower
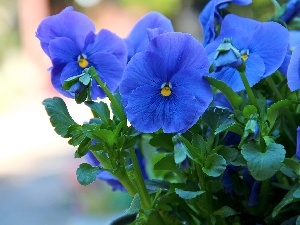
262	46
292	9
137	40
293	72
69	40
108	177
211	12
163	90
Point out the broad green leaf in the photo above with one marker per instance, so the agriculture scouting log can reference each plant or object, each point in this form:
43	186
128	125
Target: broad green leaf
188	194
263	165
59	115
162	141
229	154
234	99
86	174
225	211
216	116
99	109
275	110
290	197
294	165
135	205
166	163
214	165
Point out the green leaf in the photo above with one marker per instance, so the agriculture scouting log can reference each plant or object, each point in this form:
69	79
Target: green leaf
225	211
290	197
155	185
83	147
214	165
68	83
166	163
135	205
81	96
294	165
162	141
188	194
234	99
249	110
216	116
229	154
59	115
100	109
275	110
86	174
263	165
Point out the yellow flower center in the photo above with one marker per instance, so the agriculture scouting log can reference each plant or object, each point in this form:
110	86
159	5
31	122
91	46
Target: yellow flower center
166	90
82	61
244	57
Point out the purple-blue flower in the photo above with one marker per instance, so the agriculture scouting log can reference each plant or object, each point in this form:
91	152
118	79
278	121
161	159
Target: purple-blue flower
69	40
293	72
292	9
261	46
163	86
137	39
211	12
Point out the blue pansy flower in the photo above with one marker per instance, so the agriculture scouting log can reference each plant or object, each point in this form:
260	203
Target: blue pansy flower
293	72
163	86
292	9
211	12
69	40
261	46
137	40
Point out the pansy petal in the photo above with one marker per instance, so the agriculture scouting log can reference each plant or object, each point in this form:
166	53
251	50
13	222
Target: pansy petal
232	21
270	42
254	72
186	51
255	68
145	109
56	82
70	70
191	80
67	23
293	73
231	77
63	50
143	68
138	37
109	70
107	42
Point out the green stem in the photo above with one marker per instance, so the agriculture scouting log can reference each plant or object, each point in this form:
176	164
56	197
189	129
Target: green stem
145	198
264	197
208	193
122	176
110	96
249	90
